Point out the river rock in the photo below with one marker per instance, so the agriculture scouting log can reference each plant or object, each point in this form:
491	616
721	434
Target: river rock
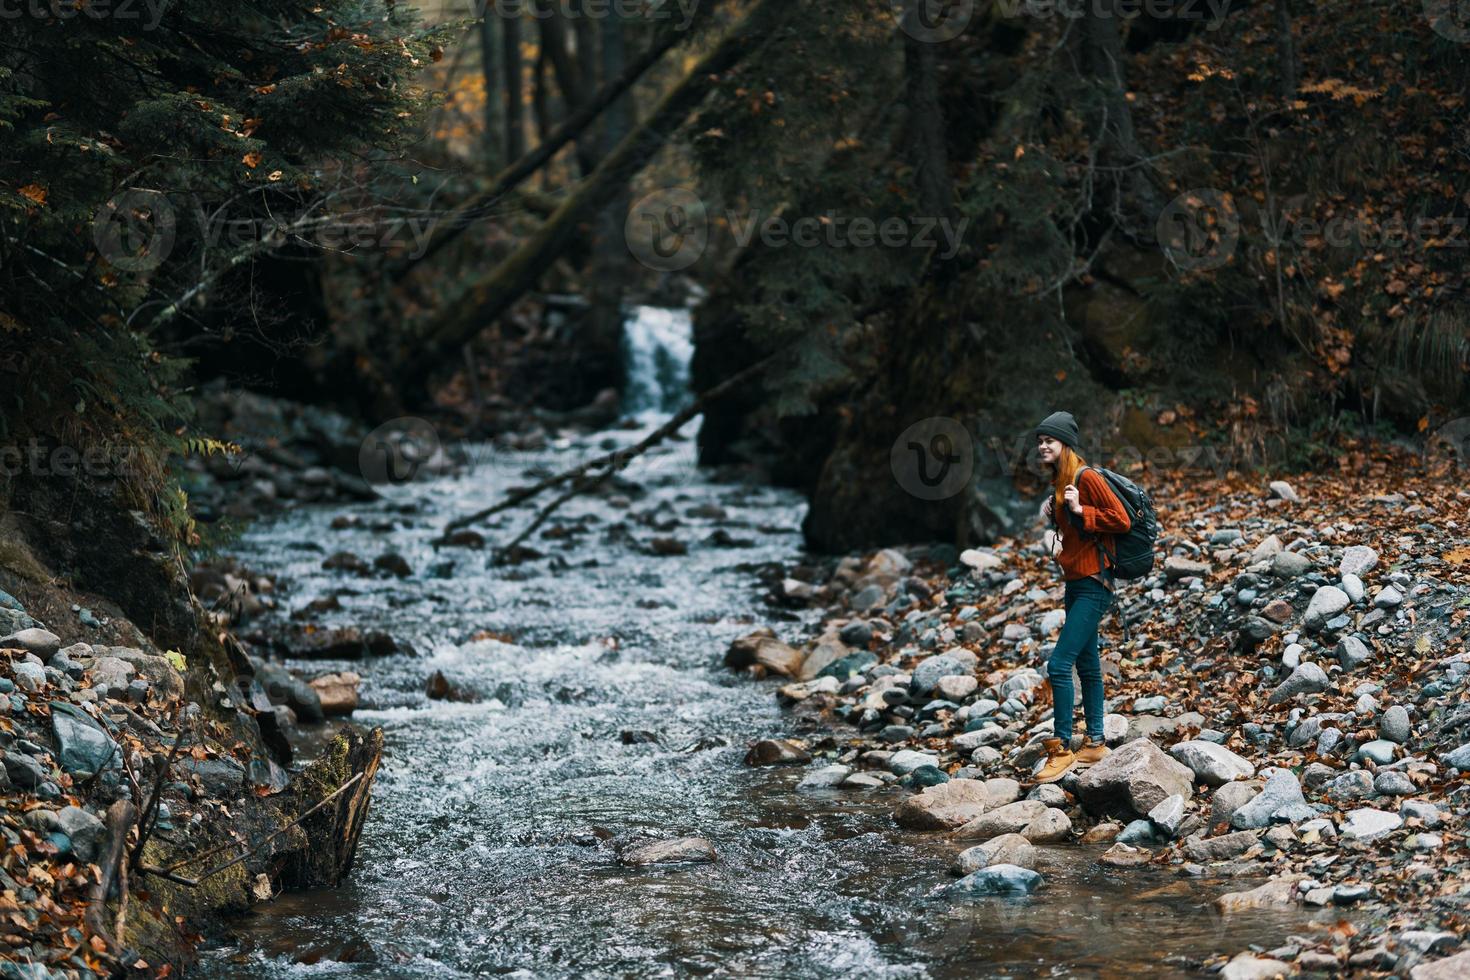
956	687
22	770
1380	750
1307	678
29	677
82	746
1168	815
1290	564
1327	602
337	693
1394	724
1352	652
905	761
283	687
677	850
945	806
43	643
1248	966
824	778
777	752
1458	758
1354	785
1426	813
762	648
1177	567
1052	827
1009	819
1279	800
166	682
1357	559
1390	783
952	663
1353	586
1122	855
83	828
1212	764
110	674
1369	824
1276	893
998	879
1283	491
1451	968
1221	848
1132	780
1005	849
221	777
1229	798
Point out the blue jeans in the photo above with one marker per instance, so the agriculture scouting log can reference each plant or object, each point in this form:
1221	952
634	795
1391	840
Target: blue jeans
1086	600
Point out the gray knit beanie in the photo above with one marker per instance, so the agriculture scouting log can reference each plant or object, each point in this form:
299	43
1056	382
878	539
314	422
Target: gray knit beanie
1061	427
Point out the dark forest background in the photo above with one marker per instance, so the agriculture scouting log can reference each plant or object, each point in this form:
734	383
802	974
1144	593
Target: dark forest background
1238	225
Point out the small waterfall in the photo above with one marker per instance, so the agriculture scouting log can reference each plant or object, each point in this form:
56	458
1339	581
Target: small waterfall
658	344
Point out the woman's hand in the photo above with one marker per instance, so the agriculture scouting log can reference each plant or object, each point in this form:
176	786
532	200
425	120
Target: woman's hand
1046	507
1074	502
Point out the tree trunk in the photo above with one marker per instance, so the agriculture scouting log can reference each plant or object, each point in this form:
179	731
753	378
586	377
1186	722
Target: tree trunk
488	298
481	204
490	70
926	119
333	832
1286	49
568	77
1101	57
515	102
608	273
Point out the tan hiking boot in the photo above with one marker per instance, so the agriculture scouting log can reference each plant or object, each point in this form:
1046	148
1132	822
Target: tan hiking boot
1059	761
1090	753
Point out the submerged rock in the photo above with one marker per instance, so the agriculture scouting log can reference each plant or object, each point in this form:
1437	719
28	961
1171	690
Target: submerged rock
998	879
675	850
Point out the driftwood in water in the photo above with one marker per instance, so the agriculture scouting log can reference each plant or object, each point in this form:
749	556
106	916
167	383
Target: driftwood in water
582	476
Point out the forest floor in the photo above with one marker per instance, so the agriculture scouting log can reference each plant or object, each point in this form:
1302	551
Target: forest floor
1289	699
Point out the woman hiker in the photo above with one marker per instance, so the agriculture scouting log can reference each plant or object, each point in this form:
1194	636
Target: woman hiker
1090	514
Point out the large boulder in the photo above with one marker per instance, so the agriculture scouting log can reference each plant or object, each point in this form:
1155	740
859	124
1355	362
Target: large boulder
82	744
945	806
1279	801
925	676
1212	763
1132	780
1009	819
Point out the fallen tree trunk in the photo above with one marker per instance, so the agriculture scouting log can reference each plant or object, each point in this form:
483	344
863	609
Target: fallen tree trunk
119	821
487	299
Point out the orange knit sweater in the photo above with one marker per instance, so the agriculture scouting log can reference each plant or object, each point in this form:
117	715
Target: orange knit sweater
1102	515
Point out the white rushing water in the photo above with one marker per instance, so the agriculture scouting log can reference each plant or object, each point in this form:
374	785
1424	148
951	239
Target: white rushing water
658	345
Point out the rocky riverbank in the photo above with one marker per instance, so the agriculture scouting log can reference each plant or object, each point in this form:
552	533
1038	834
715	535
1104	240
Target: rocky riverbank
1286	705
